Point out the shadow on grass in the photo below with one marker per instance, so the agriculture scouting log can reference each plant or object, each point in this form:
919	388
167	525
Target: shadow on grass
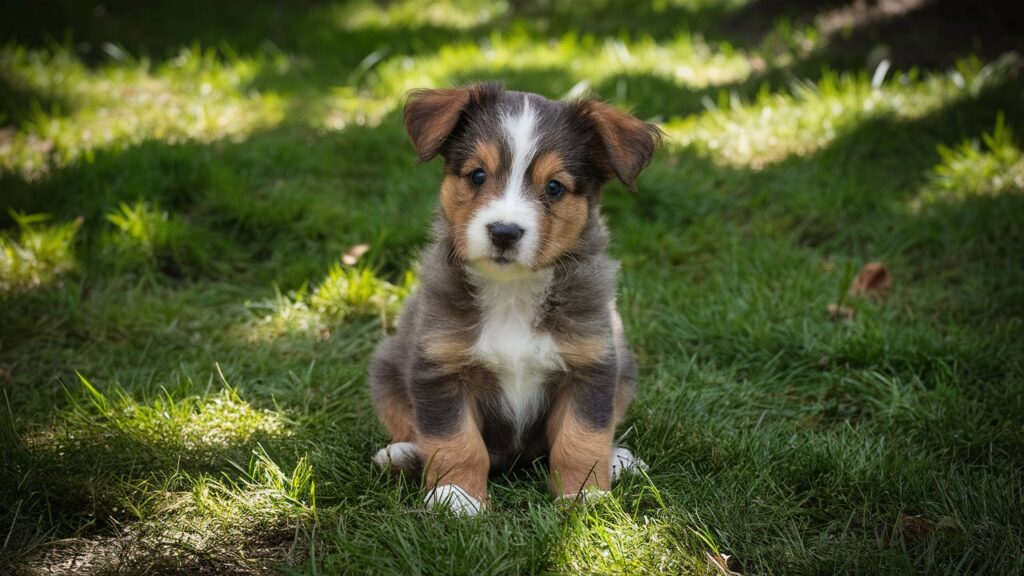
928	34
19	103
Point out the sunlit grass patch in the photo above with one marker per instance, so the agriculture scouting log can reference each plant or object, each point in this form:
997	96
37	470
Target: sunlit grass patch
600	535
244	521
811	115
170	471
991	165
257	495
199	95
201	425
686	59
457	14
569	66
37	254
359	291
345	292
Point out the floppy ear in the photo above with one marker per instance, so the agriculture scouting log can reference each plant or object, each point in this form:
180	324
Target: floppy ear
431	115
628	141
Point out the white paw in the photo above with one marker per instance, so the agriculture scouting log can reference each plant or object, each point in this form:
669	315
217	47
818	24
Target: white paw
397	455
453	498
590	493
623	462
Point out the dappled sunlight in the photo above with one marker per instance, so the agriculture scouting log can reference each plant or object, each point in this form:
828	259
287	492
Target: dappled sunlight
36	254
256	495
345	106
600	536
199	95
987	166
812	115
200	424
686	60
846	17
345	292
580	64
406	14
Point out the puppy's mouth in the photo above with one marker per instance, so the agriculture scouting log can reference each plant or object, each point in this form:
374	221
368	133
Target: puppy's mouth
502	260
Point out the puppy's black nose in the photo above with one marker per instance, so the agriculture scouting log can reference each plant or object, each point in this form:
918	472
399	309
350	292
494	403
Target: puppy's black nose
504	236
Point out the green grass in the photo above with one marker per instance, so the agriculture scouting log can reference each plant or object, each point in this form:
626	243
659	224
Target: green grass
183	353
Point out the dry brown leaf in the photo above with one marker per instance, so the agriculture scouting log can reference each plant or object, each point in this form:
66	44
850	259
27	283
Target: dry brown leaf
726	563
872	280
914	528
353	254
839	312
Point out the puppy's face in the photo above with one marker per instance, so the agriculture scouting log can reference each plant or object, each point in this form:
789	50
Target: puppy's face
523	174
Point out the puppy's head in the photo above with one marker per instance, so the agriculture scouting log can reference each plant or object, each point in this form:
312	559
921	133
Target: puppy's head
523	174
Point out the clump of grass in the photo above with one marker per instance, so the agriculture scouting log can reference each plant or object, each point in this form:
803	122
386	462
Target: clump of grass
263	491
357	291
38	254
146	238
346	292
239	516
989	166
599	535
175	423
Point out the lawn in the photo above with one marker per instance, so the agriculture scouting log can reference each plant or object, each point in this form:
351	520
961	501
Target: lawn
185	324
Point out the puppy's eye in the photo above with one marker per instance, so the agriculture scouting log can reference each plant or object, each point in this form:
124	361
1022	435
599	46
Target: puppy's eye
477	177
554	189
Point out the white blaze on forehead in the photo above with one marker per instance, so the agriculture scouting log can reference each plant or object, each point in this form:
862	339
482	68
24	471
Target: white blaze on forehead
522	139
514	205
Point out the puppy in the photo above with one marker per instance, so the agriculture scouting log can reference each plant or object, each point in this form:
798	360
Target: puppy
511	347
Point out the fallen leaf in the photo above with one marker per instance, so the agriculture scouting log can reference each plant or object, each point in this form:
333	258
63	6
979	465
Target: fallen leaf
726	563
839	312
872	280
353	254
914	528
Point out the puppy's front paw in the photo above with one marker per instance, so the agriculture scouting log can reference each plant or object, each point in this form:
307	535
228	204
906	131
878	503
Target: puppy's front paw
623	462
397	456
453	498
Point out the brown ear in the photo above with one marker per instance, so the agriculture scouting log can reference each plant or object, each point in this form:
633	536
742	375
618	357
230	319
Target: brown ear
431	115
628	141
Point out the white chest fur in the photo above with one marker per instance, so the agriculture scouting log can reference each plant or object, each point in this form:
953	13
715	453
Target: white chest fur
510	343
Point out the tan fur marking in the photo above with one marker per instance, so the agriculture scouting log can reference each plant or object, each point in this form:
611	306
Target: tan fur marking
459	459
579	455
488	155
560	231
458	206
550	166
396	416
623	397
460	200
451	351
583	350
